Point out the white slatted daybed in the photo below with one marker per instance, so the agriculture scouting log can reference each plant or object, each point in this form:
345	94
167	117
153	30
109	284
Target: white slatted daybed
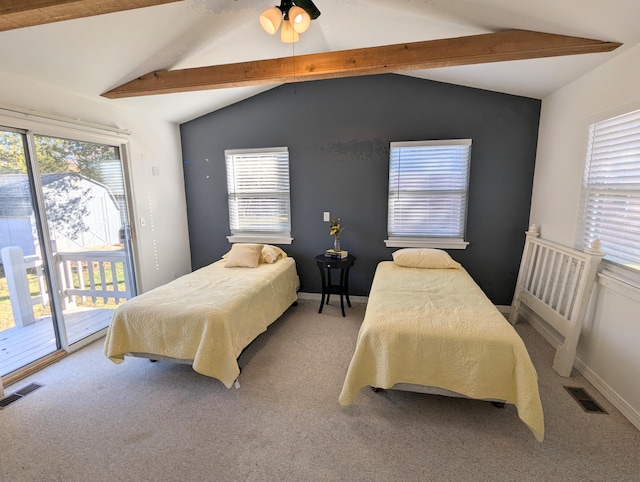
555	283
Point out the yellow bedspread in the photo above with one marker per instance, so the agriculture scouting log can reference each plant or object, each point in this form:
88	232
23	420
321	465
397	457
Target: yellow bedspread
436	327
206	317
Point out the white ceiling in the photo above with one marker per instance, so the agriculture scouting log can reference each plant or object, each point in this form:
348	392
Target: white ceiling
90	56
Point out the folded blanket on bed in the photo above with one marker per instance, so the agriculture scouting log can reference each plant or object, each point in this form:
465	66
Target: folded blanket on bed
206	317
435	327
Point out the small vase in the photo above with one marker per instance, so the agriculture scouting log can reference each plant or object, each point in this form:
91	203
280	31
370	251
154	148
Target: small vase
336	243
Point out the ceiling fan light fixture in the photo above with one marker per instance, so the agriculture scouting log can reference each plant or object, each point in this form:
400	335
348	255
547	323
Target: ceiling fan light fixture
271	19
287	34
299	19
292	17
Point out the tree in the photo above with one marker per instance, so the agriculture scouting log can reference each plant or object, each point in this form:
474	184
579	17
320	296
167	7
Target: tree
66	203
67	206
12	158
65	155
54	155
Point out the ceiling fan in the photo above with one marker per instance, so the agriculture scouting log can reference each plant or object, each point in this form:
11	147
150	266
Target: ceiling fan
294	15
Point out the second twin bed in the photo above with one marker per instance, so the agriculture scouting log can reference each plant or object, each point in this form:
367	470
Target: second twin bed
428	327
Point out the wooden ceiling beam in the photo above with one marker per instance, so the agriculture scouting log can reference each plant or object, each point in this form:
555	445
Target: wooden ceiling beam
27	13
475	49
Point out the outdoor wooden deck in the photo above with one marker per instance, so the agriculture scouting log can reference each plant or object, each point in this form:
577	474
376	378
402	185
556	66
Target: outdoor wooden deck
20	346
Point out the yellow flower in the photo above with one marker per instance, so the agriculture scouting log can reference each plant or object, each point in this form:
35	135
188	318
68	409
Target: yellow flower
335	227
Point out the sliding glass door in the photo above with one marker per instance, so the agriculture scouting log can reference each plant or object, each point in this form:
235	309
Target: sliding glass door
24	290
64	235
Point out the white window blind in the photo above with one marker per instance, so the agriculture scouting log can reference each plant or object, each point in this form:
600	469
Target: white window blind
428	186
611	190
258	188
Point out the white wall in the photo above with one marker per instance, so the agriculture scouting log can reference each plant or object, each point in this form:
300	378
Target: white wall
608	351
162	245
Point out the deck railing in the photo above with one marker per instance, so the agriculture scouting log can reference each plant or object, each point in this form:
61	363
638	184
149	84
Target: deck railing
100	268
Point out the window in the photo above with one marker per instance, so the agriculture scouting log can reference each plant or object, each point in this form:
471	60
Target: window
611	190
428	185
258	187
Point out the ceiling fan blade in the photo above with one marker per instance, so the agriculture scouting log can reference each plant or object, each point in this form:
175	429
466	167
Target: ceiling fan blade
309	7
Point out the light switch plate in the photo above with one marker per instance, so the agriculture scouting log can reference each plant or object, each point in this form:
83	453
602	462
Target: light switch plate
327	216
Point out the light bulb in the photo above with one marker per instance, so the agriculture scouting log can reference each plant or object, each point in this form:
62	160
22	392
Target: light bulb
299	19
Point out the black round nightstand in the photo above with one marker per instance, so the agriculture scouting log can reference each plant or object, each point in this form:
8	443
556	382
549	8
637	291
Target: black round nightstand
342	289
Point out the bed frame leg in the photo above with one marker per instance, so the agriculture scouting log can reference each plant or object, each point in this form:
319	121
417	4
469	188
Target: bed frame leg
514	313
563	361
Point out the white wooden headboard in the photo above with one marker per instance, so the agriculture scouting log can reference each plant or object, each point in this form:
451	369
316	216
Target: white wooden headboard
555	282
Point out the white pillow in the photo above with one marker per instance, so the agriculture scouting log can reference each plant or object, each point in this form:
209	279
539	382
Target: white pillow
424	258
243	255
271	254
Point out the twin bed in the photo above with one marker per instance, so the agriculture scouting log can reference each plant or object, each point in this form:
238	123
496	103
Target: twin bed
428	327
206	318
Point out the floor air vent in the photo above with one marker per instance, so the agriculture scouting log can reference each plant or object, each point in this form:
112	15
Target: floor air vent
587	403
14	397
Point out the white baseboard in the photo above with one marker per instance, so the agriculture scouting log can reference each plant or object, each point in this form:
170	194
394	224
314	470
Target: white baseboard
611	395
599	384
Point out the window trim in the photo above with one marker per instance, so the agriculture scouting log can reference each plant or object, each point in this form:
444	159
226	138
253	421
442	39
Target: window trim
438	243
259	238
430	241
280	237
614	268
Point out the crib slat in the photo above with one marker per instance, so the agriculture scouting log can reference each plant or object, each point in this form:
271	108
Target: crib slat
540	272
536	269
563	287
553	301
575	290
549	276
530	267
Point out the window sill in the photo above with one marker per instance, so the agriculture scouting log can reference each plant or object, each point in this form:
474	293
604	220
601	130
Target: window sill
238	238
439	243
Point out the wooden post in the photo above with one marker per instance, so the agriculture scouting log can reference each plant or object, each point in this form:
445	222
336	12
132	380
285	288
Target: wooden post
18	284
533	232
566	353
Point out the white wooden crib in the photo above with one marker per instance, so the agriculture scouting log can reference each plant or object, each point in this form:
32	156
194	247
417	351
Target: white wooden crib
555	283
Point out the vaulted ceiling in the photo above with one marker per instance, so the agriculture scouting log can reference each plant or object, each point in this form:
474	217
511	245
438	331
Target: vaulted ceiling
178	59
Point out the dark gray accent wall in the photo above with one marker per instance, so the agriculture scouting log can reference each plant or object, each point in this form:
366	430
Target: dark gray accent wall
338	133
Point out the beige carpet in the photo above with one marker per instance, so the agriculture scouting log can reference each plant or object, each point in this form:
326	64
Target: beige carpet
97	421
